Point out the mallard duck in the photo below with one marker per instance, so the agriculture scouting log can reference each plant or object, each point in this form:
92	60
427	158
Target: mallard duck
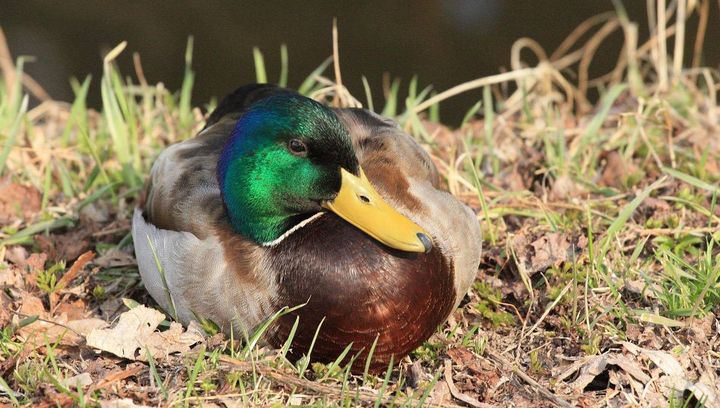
282	201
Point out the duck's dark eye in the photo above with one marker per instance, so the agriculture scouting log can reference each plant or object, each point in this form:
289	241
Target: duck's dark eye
297	147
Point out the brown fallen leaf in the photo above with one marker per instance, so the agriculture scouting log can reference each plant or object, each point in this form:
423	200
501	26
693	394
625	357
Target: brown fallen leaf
16	254
17	201
456	393
36	261
591	366
115	376
78	381
6	305
464	358
565	188
136	332
630	366
11	277
548	250
46	328
616	171
85	326
673	379
66	246
121	403
32	305
71	310
114	257
70	275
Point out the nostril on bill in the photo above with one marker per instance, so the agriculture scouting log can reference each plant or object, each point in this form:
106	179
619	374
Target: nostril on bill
364	199
427	243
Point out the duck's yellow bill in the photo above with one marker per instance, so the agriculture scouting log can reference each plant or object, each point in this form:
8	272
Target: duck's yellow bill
360	204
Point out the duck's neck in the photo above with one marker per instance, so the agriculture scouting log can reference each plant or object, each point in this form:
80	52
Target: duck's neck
256	196
252	209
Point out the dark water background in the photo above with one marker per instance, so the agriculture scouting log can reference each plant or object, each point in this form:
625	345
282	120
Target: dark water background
443	42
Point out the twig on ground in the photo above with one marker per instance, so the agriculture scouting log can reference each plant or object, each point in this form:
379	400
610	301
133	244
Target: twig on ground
324	389
40	319
534	384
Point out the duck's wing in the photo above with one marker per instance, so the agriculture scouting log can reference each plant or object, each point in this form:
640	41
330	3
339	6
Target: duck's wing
405	175
189	260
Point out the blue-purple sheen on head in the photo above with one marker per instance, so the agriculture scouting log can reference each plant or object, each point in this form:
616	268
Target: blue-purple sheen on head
267	188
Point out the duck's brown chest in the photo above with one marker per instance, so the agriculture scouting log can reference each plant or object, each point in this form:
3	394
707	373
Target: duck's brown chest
358	290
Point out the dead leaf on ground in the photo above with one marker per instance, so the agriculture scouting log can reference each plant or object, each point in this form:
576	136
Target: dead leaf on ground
36	261
702	329
11	277
70	275
590	367
136	331
46	328
565	188
113	258
673	379
16	254
33	265
464	358
548	250
66	246
616	171
72	310
121	403
6	305
79	381
85	326
17	201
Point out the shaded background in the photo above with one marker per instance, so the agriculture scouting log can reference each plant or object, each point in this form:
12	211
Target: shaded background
443	42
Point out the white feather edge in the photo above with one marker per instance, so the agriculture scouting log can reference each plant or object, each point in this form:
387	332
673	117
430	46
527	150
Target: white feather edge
289	232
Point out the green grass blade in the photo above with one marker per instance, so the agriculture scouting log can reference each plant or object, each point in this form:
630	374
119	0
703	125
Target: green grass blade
306	361
391	101
426	394
368	94
194	374
335	364
78	110
288	342
25	234
260	73
489	113
693	181
284	63
156	375
185	103
386	380
260	331
597	121
7	390
310	82
470	113
12	134
625	215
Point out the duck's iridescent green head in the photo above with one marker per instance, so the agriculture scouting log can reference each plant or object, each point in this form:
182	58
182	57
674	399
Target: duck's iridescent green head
290	157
